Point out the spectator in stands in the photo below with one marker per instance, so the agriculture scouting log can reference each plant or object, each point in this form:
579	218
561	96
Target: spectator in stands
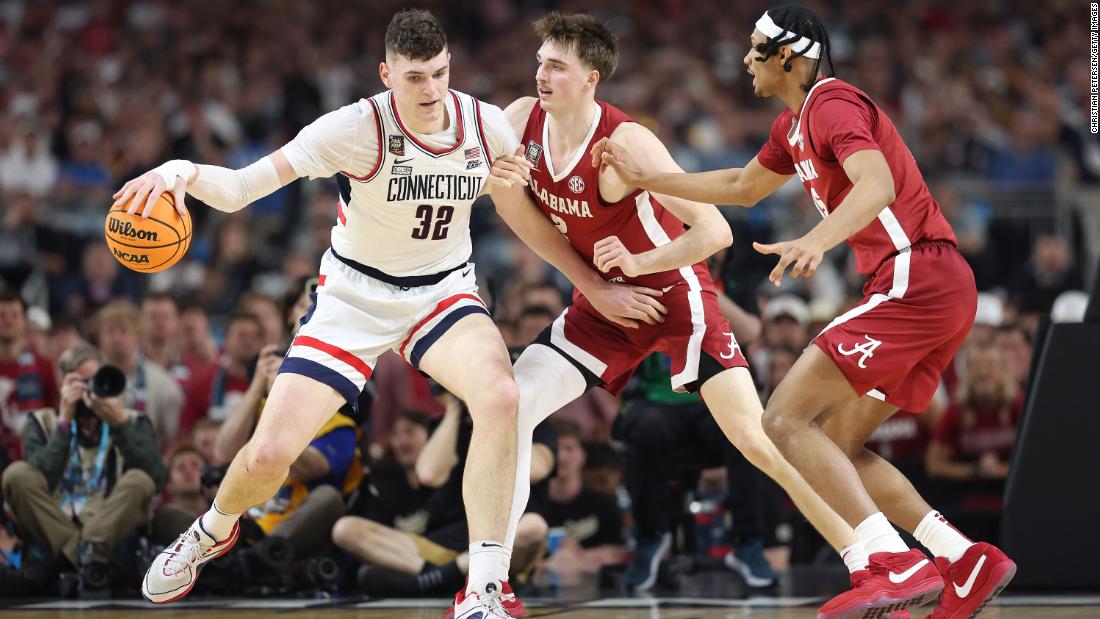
160	342
27	380
1014	343
217	393
268	311
198	346
184	487
150	390
974	438
204	437
100	280
18	242
1049	273
393	495
305	508
407	564
591	521
91	471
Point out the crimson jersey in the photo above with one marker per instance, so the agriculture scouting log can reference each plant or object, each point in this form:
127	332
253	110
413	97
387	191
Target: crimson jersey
570	197
836	121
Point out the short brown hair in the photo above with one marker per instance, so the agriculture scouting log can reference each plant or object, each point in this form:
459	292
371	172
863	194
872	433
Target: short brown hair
117	312
586	36
415	34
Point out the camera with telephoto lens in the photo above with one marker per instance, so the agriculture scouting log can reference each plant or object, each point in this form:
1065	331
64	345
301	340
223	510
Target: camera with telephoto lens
107	382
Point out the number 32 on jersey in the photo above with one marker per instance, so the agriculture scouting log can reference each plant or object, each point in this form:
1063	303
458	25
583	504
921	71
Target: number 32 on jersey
442	219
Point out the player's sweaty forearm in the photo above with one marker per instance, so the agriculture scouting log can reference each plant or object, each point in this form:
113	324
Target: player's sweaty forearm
536	231
712	187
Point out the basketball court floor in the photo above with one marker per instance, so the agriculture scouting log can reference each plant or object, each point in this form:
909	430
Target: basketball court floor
1009	607
701	595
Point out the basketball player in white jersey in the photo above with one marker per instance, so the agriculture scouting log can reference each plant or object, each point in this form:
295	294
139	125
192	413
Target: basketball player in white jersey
410	162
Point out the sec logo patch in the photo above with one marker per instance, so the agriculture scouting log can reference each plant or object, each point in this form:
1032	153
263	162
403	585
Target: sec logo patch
576	184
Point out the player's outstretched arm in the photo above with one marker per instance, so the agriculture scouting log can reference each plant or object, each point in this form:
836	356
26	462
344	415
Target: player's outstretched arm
222	188
872	191
708	233
621	304
734	186
320	149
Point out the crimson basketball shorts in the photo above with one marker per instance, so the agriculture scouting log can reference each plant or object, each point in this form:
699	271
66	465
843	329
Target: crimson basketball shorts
917	309
358	313
694	335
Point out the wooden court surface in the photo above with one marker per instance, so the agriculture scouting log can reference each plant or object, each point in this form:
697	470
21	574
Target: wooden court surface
1015	612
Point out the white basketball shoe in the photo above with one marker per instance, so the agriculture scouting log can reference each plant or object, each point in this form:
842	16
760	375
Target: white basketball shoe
488	604
175	570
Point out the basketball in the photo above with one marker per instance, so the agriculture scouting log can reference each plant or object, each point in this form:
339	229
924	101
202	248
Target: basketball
151	244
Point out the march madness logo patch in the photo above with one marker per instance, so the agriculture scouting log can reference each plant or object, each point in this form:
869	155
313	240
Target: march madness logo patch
533	154
397	145
576	184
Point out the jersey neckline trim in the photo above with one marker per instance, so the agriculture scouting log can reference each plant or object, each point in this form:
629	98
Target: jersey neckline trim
581	152
381	151
792	135
460	136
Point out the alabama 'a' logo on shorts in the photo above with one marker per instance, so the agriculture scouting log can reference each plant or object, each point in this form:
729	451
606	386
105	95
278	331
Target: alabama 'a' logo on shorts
865	349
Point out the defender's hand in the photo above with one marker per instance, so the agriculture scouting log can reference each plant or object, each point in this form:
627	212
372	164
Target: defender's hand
626	305
606	153
508	170
610	253
805	256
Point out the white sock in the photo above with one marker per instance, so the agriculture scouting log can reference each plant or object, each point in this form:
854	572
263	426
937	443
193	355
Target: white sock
486	565
940	537
878	535
505	563
855	557
217	523
547	381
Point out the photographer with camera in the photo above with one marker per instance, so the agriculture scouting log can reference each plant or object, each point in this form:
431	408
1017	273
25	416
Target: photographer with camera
91	469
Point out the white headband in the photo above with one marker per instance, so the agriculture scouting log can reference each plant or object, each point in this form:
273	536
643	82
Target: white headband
770	30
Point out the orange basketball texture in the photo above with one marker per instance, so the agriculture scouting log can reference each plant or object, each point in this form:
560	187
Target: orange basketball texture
152	244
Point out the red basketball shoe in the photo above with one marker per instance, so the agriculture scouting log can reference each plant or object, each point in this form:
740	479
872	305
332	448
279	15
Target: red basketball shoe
972	581
894	581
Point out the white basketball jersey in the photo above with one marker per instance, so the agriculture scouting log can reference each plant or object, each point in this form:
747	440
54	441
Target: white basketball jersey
410	215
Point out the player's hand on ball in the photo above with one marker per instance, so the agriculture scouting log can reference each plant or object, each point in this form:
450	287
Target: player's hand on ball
508	170
626	305
610	253
606	153
142	192
802	255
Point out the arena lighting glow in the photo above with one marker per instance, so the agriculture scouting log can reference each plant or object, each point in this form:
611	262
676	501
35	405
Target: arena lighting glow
772	31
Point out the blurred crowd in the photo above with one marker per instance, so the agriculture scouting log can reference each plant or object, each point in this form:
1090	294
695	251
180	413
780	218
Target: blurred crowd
991	97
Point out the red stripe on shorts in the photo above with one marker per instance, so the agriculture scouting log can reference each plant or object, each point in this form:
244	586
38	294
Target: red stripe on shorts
336	352
439	308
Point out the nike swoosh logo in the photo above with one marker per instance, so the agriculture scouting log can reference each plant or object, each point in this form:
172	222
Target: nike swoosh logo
897	579
667	288
400	161
464	274
484	545
964	590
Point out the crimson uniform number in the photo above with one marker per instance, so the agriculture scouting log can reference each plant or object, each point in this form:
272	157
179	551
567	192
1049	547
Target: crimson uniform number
440	215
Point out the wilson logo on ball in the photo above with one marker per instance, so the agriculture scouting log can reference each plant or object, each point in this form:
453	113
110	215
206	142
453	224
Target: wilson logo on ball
131	258
125	228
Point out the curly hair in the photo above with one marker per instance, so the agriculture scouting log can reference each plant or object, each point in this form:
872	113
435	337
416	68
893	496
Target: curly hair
415	34
588	37
798	21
